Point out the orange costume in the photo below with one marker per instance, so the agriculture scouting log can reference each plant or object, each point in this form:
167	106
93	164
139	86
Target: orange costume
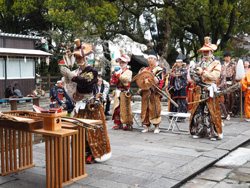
246	88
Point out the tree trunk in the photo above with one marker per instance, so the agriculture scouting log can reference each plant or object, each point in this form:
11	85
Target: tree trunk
106	52
167	36
227	36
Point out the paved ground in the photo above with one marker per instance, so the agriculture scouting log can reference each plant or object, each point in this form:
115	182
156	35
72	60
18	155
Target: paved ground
151	160
233	171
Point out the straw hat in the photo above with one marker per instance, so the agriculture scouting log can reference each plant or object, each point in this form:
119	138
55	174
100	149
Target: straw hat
124	58
208	46
82	50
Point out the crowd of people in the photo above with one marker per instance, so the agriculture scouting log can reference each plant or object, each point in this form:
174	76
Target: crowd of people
209	89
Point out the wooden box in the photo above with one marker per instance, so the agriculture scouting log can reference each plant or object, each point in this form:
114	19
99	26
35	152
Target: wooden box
23	126
52	122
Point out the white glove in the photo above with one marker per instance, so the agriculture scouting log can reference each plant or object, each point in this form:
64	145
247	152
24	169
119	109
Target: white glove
67	73
65	80
199	70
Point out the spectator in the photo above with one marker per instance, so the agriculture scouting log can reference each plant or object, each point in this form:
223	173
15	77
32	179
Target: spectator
246	65
8	92
17	93
101	91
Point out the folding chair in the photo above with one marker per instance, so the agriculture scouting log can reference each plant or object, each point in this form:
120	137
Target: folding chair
175	120
170	121
135	113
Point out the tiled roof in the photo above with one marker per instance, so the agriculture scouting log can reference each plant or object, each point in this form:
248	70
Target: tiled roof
19	36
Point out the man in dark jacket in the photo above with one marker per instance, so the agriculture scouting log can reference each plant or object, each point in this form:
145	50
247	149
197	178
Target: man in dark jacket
101	92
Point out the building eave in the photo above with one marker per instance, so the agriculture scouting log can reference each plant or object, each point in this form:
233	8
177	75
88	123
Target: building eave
23	52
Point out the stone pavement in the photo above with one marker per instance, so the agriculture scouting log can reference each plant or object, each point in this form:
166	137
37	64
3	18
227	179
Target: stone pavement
233	171
141	159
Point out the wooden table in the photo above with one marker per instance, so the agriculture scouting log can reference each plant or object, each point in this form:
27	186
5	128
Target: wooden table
65	160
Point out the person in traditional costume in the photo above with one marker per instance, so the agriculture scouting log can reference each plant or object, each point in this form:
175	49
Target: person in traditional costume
227	79
246	69
191	85
246	64
57	95
205	120
177	87
84	79
122	113
162	65
151	99
165	70
246	89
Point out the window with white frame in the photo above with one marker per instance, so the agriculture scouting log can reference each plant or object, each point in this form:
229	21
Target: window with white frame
13	68
19	68
28	69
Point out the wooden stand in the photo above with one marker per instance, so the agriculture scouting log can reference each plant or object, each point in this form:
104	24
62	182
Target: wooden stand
61	156
16	150
64	148
52	122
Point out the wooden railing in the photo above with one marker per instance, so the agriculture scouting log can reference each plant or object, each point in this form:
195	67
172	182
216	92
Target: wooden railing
46	82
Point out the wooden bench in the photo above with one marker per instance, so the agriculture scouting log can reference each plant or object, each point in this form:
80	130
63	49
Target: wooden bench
13	101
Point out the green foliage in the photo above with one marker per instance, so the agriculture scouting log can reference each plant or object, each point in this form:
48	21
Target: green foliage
144	21
236	53
62	13
221	20
22	17
240	52
219	53
101	14
82	16
24	7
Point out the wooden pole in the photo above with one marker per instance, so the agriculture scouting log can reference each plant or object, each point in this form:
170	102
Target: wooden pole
5	71
241	104
48	82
